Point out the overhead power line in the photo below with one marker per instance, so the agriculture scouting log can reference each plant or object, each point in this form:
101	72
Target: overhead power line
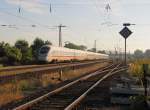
12	25
27	19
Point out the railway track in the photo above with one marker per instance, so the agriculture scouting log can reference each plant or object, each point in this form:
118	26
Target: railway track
18	68
67	97
29	67
98	98
19	73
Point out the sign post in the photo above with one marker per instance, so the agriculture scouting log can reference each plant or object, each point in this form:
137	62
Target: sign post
125	32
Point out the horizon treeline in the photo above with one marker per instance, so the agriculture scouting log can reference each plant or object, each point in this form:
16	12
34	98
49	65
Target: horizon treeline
21	53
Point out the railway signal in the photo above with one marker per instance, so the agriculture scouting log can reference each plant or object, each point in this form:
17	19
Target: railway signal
126	32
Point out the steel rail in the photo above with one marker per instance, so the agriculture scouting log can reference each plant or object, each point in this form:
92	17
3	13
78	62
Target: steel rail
29	67
36	66
79	99
30	103
43	69
26	67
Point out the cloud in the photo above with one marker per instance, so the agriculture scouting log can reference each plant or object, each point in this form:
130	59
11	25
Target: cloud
2	14
28	5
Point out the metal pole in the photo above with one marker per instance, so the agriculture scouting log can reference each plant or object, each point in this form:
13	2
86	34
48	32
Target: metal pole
60	39
95	46
60	34
125	52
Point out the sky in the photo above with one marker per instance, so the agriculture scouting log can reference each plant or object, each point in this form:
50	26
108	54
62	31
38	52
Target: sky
85	21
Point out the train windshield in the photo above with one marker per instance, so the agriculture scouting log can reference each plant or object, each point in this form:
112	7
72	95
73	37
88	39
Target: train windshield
44	50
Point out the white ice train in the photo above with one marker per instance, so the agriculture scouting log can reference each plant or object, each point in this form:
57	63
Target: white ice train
49	53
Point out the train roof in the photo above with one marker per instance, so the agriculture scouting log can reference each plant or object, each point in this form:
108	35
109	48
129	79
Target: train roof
67	49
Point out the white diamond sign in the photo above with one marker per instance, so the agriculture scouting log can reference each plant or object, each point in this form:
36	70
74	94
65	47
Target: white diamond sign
125	32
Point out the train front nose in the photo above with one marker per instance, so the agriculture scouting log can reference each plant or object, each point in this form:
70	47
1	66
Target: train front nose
43	54
42	57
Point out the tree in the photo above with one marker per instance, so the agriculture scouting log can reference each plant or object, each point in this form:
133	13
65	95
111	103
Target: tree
147	53
28	56
101	51
82	47
2	52
37	44
74	46
22	45
48	43
13	54
138	53
9	54
92	50
71	46
3	45
25	50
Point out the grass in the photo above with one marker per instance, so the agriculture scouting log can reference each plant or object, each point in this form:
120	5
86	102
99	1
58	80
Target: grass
9	92
30	85
136	67
1	65
51	78
17	89
77	72
67	73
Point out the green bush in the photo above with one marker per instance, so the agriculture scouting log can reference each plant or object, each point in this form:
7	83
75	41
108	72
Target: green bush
8	54
25	50
13	54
